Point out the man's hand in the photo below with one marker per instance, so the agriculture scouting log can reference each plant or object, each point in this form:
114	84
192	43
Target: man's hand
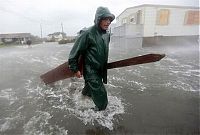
78	74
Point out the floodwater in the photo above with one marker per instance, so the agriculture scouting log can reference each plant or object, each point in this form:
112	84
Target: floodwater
154	98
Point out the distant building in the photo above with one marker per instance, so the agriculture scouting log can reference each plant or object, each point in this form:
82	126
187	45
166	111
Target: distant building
59	36
19	38
157	20
56	36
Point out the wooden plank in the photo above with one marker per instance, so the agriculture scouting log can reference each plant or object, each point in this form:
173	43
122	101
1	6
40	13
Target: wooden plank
59	73
63	72
136	60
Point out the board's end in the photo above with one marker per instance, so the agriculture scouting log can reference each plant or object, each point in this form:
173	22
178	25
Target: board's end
158	56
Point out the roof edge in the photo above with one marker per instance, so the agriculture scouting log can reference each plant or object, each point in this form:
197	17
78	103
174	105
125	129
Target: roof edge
158	5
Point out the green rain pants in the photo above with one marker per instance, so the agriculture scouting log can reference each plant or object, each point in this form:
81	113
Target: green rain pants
96	89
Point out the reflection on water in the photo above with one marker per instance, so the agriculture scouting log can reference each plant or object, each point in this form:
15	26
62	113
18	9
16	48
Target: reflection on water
152	98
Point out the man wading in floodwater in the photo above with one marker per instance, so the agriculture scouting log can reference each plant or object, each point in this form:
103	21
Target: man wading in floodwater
92	47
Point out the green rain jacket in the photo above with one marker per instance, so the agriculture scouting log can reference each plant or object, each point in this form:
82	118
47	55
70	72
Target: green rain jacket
92	45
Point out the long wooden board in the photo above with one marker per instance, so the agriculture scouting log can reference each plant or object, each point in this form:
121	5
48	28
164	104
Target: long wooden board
63	72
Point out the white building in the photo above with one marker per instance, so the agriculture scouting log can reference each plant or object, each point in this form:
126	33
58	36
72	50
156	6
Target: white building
20	38
157	20
56	36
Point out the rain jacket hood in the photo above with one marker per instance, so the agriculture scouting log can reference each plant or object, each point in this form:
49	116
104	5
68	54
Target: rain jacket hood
102	12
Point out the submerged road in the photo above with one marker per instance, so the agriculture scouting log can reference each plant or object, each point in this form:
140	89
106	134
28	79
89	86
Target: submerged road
154	98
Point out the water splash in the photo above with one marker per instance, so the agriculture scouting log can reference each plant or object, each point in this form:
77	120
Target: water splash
103	118
68	98
39	125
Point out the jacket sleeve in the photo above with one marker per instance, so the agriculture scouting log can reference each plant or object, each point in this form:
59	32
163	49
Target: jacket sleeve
79	47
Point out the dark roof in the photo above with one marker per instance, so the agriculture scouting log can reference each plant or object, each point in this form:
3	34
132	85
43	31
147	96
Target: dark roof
15	35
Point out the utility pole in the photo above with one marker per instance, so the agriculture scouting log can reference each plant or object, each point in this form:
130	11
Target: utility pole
62	27
62	30
41	30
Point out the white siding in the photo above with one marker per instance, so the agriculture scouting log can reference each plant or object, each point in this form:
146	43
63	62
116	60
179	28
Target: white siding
176	26
148	26
149	21
129	30
127	14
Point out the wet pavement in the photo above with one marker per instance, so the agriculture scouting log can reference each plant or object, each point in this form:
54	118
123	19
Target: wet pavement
154	98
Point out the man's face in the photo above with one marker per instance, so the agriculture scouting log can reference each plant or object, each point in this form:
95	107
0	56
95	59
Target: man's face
105	22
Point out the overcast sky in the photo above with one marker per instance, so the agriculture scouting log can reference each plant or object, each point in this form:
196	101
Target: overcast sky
29	15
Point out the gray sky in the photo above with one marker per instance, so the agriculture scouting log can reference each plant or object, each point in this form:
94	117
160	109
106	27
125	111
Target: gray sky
28	15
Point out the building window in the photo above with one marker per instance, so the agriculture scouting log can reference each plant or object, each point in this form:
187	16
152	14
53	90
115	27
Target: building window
139	17
162	17
136	17
192	18
133	19
124	20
